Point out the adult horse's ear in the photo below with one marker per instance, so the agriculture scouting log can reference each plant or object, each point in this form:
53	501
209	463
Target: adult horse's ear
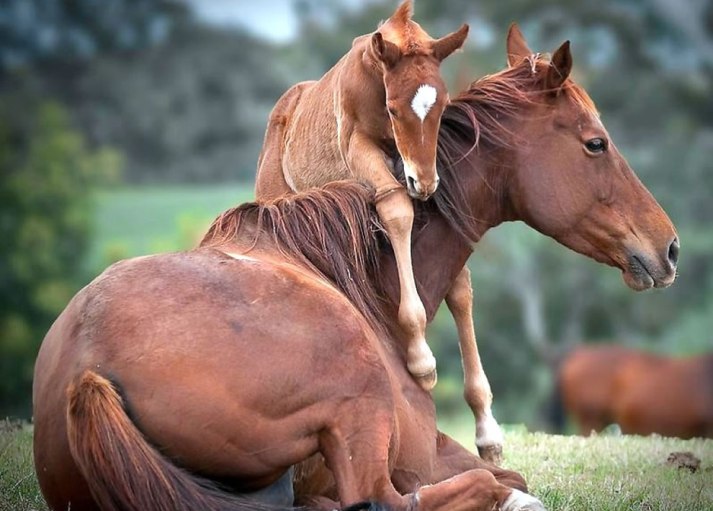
386	51
516	46
448	44
560	67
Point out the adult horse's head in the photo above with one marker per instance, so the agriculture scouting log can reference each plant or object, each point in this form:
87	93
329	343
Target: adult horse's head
415	93
570	182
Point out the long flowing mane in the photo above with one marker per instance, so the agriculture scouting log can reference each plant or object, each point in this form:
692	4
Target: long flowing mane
475	120
333	231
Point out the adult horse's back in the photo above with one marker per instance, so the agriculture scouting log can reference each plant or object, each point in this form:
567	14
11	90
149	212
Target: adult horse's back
642	392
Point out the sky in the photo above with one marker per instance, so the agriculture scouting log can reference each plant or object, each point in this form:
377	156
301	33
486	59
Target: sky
273	19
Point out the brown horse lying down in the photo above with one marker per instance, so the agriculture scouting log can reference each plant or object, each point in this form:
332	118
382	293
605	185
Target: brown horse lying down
642	392
527	144
236	361
236	364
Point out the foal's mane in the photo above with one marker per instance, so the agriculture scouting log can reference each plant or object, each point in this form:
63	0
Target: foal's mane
333	231
475	119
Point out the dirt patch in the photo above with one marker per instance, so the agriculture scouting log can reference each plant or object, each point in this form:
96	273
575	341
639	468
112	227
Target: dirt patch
684	460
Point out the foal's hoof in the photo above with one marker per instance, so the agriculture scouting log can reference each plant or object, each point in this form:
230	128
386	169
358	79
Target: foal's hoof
491	453
427	381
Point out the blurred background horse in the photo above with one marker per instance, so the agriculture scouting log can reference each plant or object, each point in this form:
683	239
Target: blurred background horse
642	392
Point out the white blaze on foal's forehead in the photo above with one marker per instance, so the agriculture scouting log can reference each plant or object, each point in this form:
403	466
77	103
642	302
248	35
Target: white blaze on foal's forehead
423	100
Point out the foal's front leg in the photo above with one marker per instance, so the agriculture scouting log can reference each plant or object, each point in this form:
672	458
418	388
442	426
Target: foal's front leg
488	435
395	210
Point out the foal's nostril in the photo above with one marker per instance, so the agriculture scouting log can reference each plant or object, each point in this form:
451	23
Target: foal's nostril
673	249
411	183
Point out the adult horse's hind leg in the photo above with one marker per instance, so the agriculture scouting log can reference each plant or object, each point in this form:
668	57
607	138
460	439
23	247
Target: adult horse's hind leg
452	459
358	458
489	436
474	490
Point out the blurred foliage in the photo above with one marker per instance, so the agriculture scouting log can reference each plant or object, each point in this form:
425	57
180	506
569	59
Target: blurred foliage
66	31
45	217
188	103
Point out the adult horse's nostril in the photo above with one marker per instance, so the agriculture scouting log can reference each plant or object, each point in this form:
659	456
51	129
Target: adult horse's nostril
673	249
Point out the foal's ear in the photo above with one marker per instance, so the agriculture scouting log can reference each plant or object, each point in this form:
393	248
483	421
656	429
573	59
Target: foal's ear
448	44
516	46
560	67
386	51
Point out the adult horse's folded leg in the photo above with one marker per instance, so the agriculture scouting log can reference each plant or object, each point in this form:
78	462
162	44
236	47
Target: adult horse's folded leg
452	459
396	213
488	435
474	490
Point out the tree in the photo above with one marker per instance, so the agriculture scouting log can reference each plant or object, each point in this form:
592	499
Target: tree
45	220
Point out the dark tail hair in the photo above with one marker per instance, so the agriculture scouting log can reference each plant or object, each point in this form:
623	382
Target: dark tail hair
123	471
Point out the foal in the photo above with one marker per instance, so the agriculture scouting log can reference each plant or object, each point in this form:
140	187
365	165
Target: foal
384	97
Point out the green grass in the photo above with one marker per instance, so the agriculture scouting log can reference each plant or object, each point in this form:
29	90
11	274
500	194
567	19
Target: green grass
150	219
568	473
604	472
18	486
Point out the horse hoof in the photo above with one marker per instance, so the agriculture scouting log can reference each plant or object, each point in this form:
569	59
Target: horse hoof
491	453
427	381
519	501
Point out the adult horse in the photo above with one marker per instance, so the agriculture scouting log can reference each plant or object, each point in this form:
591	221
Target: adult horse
525	145
236	361
385	94
251	342
642	392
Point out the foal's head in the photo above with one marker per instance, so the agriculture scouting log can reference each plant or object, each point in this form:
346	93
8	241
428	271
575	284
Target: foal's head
570	182
415	93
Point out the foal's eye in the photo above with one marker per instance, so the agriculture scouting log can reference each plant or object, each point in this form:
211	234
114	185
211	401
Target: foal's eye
596	145
392	112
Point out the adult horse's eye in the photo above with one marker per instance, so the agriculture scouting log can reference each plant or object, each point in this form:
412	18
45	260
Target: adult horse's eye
596	145
392	112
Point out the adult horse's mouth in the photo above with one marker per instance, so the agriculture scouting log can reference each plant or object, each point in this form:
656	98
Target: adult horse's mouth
637	276
640	275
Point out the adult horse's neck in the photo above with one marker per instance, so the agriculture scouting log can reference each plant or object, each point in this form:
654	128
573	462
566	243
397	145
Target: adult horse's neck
470	201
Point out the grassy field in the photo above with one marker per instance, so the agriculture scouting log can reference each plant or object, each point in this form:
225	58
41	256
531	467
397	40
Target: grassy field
601	473
146	220
604	472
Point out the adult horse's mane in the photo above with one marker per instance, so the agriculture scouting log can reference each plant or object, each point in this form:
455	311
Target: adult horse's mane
334	231
474	120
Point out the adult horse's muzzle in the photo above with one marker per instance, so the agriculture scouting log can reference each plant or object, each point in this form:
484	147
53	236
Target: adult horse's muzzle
644	271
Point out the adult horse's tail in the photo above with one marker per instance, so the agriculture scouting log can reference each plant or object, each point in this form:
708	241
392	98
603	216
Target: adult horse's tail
124	472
